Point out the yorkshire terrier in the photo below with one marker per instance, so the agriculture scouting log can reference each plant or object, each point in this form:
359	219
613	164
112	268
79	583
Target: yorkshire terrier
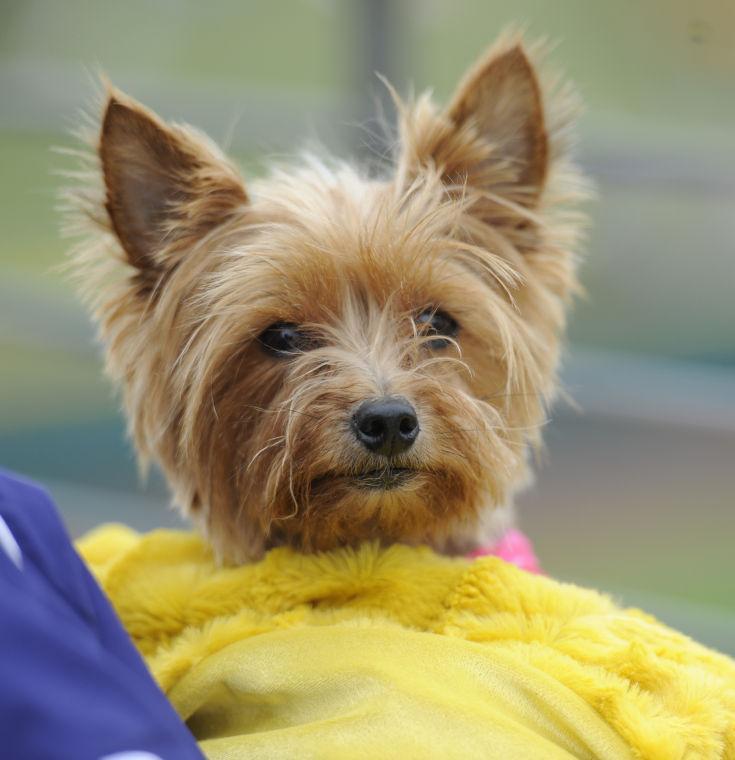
324	356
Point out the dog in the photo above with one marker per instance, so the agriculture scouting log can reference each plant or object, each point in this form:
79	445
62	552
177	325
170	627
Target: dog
328	356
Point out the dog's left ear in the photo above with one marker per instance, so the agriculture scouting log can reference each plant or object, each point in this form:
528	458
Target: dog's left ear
166	186
492	135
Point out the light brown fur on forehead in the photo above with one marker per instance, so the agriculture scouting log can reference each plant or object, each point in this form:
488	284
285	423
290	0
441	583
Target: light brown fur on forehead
185	269
403	245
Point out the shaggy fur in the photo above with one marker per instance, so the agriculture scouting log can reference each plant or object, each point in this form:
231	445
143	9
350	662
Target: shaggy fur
185	269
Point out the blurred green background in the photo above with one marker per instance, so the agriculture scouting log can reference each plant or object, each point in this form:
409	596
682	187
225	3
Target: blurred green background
636	491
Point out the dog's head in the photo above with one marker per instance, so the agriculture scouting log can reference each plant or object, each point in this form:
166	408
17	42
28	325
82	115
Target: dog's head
321	357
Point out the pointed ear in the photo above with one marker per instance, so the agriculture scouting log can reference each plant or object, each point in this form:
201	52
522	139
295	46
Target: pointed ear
492	135
501	98
165	185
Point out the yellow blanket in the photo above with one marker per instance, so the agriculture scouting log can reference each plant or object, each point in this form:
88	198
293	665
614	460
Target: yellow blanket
382	653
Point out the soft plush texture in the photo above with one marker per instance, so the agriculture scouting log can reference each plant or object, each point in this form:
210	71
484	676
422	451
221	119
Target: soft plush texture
400	652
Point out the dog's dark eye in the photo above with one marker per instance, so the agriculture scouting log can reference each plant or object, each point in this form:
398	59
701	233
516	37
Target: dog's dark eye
282	339
436	322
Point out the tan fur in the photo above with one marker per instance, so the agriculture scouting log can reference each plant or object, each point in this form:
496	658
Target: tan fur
184	270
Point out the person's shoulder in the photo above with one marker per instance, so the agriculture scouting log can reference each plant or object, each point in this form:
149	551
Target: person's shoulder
29	513
27	505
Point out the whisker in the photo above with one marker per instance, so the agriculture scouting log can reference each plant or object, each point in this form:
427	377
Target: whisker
266	410
273	442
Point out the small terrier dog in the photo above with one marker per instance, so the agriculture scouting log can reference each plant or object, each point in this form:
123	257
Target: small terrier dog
324	357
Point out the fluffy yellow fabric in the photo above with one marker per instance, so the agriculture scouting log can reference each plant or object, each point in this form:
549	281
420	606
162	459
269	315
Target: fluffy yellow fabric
401	652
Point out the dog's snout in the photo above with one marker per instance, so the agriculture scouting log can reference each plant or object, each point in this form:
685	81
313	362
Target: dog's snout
386	426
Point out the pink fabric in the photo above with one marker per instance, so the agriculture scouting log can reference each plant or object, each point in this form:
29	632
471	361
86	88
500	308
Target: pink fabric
514	547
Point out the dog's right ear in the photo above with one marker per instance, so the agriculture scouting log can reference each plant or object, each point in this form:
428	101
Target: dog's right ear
165	185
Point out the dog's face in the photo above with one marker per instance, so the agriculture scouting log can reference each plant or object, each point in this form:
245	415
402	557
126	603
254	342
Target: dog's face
325	358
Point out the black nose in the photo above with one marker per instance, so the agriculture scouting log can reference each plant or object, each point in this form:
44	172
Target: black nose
387	426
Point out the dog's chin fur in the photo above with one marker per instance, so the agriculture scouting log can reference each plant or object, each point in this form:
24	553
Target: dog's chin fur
185	269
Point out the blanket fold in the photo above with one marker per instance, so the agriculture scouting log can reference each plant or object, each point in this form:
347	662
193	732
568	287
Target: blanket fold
398	652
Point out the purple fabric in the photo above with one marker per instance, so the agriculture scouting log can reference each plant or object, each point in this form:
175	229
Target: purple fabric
72	684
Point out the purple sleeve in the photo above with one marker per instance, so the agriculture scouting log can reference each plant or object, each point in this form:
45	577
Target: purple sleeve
72	684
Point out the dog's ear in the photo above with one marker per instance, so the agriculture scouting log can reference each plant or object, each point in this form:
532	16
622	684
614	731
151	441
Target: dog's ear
492	135
501	99
165	185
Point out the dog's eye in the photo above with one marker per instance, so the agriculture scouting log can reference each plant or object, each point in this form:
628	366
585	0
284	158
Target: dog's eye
282	339
436	322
